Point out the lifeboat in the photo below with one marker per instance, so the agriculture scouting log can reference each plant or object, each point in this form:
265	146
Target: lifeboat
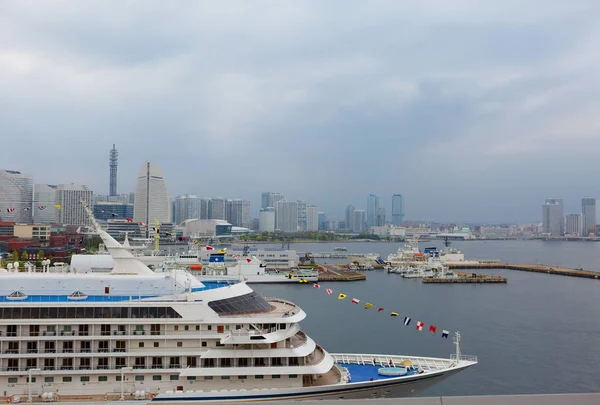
195	267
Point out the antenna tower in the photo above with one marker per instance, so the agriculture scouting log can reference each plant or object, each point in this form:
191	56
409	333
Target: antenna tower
113	162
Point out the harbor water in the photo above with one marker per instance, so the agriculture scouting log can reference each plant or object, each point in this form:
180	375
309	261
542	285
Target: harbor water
536	334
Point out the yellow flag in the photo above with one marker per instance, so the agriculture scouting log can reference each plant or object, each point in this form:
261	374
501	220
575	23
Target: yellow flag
368	305
394	314
57	206
303	281
341	296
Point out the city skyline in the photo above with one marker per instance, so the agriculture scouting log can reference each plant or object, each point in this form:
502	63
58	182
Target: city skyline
480	125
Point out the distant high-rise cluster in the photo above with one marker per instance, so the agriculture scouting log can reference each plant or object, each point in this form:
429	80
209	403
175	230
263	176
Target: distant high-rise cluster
16	197
554	223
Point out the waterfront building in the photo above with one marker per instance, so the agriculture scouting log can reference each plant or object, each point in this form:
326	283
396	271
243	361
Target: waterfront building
186	207
588	211
105	210
39	232
350	217
44	201
312	218
238	213
151	197
380	217
255	224
16	196
205	228
397	209
69	198
322	217
359	221
372	207
553	222
302	222
574	224
113	163
217	208
269	199
286	216
266	219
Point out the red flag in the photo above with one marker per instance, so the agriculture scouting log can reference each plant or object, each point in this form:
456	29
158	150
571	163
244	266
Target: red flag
142	224
316	285
208	247
329	291
432	328
355	301
128	219
248	259
379	309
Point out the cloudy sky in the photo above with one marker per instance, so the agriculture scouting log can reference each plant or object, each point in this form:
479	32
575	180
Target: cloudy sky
474	110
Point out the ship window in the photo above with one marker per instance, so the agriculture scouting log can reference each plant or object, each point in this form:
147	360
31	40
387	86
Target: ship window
139	378
259	377
275	376
49	379
67	379
156	377
243	377
12	380
32	379
203	344
293	376
187	327
209	327
141	344
179	344
156	344
103	378
243	304
191	378
87	312
174	378
197	327
176	327
208	377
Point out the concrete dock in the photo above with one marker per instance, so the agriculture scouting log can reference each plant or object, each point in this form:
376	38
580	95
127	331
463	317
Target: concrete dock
467	278
535	268
339	272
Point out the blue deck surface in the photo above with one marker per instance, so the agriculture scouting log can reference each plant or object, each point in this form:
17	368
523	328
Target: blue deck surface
208	285
360	373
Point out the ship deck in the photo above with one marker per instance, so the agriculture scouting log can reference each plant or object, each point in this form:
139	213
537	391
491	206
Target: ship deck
367	372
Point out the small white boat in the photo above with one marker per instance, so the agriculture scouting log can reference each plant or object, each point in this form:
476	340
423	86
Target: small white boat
392	371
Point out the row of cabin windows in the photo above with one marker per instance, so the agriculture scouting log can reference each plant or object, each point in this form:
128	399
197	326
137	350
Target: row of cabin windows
84	346
104	378
86	312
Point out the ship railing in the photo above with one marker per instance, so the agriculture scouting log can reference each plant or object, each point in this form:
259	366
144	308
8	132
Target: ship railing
315	357
464	357
423	363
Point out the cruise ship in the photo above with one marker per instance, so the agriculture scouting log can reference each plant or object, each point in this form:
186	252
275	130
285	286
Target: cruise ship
135	335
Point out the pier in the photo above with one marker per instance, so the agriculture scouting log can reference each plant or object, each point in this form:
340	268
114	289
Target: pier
339	272
467	278
534	268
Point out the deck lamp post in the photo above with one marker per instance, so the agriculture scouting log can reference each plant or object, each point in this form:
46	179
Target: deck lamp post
123	369
29	372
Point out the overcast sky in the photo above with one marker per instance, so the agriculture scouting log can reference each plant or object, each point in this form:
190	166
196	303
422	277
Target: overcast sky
473	110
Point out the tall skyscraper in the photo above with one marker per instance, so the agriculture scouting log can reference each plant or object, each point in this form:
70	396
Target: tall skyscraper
151	197
322	218
312	218
269	199
113	162
217	208
69	198
238	213
372	206
186	207
380	217
44	201
302	221
397	209
287	215
16	196
588	211
553	220
359	221
266	219
573	224
350	217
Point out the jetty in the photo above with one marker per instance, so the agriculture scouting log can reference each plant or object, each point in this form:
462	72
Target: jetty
466	278
535	268
339	272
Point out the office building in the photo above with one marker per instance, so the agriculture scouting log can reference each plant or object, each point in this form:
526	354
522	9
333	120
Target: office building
350	217
238	213
105	210
302	220
397	209
573	224
588	212
217	208
69	199
312	218
553	220
269	199
266	220
287	216
372	207
186	207
16	197
380	217
322	217
152	201
44	204
359	221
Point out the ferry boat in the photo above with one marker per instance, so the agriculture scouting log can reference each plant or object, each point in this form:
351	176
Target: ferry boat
136	335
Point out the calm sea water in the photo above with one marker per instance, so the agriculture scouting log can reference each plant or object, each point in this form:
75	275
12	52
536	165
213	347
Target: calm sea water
537	334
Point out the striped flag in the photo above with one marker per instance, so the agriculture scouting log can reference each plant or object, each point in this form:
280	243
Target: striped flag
10	209
329	291
355	301
406	320
420	325
236	256
445	334
341	296
368	305
42	207
394	314
316	285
